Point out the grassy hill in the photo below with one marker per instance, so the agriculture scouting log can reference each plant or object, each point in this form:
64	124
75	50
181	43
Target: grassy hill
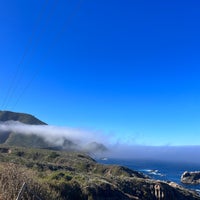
17	139
65	175
21	117
34	140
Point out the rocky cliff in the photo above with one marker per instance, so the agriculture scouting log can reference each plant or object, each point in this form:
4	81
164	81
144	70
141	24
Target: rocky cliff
190	177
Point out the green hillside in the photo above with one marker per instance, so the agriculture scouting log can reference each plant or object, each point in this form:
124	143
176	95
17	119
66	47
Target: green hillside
21	117
61	175
35	140
18	139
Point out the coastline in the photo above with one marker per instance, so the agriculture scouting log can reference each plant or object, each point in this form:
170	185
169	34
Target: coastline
158	170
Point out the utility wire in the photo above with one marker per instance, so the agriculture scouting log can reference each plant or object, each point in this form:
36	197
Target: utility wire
14	79
48	19
66	24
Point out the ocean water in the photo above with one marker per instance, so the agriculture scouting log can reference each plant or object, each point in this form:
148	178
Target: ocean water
159	170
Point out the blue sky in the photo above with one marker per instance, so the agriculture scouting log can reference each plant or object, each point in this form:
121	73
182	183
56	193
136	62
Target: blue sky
126	68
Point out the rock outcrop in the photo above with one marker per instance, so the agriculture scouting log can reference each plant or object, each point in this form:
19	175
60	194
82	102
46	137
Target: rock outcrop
191	177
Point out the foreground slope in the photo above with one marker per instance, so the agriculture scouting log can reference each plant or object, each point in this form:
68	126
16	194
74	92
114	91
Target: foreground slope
73	175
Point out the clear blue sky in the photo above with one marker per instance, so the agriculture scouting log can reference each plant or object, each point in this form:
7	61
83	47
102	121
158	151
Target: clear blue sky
129	68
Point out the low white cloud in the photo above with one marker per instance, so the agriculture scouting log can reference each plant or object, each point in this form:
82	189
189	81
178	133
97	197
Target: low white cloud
117	148
53	134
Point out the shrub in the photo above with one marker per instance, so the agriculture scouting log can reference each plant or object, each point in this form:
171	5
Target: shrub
12	178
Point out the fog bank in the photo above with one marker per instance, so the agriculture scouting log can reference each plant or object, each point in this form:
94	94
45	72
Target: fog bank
82	137
53	134
189	154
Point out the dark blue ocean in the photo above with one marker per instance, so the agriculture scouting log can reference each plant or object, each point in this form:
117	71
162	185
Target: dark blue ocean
159	170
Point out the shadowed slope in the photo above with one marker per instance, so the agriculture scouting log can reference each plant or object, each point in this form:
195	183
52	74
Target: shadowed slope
21	117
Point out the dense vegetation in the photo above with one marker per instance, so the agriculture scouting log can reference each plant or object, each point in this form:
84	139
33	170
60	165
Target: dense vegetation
64	175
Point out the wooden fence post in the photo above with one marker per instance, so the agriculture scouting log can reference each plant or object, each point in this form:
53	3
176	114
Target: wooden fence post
21	191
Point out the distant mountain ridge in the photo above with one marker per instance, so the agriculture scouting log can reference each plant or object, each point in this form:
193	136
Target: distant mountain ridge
17	138
21	117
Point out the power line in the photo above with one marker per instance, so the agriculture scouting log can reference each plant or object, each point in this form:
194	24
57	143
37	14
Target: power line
48	19
13	83
66	23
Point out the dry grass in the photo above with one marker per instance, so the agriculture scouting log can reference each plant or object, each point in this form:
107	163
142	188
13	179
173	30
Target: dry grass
12	178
